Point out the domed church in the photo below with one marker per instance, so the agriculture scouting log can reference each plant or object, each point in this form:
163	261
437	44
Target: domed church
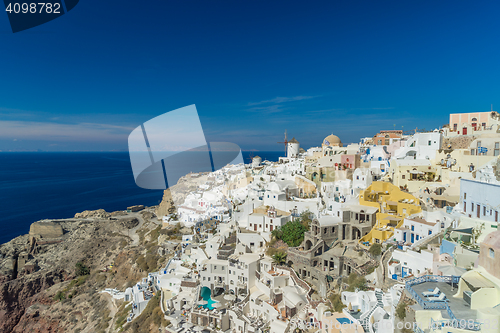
332	141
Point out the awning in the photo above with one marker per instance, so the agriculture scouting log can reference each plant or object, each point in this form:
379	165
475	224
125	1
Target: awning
452	270
467	231
392	218
477	281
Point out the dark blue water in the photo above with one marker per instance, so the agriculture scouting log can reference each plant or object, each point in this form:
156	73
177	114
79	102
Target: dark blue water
35	186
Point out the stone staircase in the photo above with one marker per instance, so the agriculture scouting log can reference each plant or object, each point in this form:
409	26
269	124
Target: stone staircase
365	323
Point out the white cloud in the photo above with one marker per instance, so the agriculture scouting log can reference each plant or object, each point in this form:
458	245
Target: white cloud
278	100
49	131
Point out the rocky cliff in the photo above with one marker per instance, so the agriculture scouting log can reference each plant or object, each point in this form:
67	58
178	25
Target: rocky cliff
50	280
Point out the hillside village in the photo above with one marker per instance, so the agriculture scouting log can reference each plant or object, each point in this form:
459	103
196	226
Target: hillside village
395	233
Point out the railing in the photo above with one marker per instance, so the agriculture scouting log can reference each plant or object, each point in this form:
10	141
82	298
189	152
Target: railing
440	305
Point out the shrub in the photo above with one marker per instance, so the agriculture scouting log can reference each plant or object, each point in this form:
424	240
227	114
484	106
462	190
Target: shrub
336	301
375	249
59	296
401	310
356	281
81	269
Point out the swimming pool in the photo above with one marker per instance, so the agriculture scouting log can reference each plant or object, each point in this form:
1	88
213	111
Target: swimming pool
205	294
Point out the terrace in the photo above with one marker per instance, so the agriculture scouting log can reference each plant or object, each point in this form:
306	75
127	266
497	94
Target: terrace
453	310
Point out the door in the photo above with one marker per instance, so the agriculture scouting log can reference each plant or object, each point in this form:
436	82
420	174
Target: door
404	237
478	210
255	227
464	131
412	238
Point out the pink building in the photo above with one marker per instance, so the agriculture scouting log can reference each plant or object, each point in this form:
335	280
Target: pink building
349	161
477	120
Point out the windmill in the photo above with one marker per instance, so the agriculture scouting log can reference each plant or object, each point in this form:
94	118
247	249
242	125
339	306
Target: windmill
285	142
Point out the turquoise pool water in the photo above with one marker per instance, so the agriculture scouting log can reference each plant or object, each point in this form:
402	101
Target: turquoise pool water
205	294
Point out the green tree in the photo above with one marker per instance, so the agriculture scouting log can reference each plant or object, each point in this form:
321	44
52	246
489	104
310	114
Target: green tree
293	233
81	269
375	249
279	257
277	233
306	218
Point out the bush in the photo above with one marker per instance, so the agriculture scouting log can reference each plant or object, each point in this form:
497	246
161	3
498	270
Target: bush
293	233
59	296
375	249
356	281
401	310
336	301
81	269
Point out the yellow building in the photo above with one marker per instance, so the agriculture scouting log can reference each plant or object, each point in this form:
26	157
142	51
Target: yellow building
393	206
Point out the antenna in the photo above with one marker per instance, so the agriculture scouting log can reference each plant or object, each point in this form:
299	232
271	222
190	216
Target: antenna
285	142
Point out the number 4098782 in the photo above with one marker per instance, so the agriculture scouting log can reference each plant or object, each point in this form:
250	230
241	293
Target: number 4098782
34	8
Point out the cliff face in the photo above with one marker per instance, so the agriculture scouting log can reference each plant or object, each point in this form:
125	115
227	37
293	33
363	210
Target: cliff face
176	194
41	289
19	294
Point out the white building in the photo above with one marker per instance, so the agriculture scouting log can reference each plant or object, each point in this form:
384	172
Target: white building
480	199
421	146
266	220
405	263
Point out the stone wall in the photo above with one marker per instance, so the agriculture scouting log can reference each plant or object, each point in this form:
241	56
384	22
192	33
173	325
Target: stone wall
46	230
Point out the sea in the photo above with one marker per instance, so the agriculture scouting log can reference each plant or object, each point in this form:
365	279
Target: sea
43	185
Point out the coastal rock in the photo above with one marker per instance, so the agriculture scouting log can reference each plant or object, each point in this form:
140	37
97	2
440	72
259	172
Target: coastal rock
100	214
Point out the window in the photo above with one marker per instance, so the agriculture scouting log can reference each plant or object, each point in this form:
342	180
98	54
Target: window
430	142
479	144
484	210
412	228
403	176
455	127
496	152
473	152
472	206
465	207
465	195
492	253
430	232
223	267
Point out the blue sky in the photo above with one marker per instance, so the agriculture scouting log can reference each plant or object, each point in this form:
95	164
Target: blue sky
253	68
